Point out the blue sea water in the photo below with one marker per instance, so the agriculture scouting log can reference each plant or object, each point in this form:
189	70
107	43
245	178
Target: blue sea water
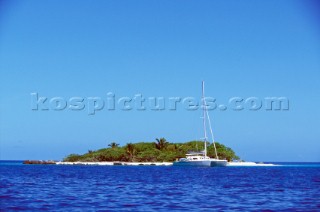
292	186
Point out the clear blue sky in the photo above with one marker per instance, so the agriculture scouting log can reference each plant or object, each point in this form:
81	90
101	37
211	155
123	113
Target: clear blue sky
160	48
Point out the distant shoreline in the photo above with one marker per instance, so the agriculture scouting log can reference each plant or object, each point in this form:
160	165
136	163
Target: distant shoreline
121	163
58	162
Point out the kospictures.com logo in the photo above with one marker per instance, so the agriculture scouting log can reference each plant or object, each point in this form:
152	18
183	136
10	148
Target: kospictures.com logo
140	103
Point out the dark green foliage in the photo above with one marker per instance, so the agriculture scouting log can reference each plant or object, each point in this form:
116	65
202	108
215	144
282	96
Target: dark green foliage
113	145
159	151
130	150
223	152
161	143
149	155
73	158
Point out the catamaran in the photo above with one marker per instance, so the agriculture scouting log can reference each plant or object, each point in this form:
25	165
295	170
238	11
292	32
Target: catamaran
201	158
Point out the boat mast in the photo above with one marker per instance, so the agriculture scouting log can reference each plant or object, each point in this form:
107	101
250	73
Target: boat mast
206	115
214	143
204	121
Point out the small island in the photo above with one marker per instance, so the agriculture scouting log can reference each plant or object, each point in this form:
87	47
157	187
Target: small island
159	151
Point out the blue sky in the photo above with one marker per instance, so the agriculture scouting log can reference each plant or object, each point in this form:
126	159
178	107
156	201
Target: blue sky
160	48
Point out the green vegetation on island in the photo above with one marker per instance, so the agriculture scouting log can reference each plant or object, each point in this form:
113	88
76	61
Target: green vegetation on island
159	151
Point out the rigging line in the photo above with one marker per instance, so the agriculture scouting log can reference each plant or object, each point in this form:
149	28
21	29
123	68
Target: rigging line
209	122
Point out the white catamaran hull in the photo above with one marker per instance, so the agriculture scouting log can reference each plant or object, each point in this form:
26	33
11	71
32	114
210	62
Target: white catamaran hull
202	163
205	163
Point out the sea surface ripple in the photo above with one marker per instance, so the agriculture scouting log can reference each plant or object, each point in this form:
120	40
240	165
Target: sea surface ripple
141	188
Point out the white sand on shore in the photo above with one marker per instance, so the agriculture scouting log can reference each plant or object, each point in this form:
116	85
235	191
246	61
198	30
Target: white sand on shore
117	163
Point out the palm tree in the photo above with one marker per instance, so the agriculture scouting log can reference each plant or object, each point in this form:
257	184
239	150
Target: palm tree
113	145
130	149
161	143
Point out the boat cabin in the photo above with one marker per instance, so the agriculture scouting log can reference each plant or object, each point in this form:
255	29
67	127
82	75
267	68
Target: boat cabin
194	156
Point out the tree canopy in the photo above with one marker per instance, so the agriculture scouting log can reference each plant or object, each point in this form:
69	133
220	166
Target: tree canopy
113	145
159	151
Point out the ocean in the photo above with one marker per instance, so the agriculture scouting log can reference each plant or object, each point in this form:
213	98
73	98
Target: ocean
291	186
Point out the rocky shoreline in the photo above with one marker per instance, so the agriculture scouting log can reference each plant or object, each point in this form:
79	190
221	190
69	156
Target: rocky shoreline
40	162
121	163
111	163
117	163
